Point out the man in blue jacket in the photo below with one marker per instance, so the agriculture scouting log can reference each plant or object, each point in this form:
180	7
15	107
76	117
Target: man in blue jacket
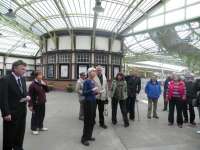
153	91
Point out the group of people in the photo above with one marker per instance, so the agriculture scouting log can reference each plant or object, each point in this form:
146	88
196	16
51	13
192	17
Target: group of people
179	93
13	104
182	93
93	92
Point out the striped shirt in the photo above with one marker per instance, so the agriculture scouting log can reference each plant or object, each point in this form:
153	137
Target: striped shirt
176	92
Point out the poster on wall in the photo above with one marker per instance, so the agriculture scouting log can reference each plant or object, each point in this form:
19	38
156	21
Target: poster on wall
50	71
82	68
64	71
116	70
103	70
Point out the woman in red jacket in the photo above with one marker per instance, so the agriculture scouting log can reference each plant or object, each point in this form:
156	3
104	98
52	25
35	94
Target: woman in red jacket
176	95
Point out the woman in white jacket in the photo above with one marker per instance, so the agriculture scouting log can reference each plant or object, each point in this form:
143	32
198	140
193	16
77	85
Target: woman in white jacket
79	90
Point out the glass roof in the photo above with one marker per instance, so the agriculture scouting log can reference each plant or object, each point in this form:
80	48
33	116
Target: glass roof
141	43
190	33
12	42
120	16
169	12
42	16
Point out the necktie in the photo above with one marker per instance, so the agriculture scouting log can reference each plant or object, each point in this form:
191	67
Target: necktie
20	85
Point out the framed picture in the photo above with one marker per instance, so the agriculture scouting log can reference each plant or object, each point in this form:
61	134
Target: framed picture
28	73
82	68
64	71
50	71
104	70
115	71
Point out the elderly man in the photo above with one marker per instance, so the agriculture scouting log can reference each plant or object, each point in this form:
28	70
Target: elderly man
134	87
102	97
13	107
190	95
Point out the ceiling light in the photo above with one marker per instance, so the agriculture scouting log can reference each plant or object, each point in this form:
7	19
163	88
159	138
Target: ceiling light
24	45
10	14
98	8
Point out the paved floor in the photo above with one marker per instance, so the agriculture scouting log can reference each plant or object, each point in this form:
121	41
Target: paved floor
65	130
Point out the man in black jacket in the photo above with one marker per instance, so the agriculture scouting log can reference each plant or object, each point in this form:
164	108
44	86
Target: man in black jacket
190	96
13	107
133	87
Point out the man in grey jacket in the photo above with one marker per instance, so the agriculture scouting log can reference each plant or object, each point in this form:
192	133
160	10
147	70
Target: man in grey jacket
79	90
101	98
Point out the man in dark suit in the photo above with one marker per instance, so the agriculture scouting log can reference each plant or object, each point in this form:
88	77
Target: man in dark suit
133	88
13	107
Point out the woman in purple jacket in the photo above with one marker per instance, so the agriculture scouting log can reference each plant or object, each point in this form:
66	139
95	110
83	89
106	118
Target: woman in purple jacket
37	92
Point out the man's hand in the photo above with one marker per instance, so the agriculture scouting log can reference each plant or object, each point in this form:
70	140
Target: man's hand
7	118
28	98
43	83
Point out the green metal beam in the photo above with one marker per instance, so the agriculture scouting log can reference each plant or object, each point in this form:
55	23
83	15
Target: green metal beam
20	28
165	26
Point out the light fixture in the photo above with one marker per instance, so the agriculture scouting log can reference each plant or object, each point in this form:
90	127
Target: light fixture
24	45
10	14
98	8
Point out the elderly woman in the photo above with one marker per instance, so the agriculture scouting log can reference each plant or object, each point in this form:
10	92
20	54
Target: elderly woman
37	104
90	91
176	95
79	90
153	91
119	95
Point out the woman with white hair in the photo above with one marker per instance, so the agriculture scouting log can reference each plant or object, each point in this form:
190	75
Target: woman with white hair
176	95
89	91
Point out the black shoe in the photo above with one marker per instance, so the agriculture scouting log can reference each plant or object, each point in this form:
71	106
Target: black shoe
193	123
156	117
104	126
180	125
86	143
131	118
149	117
81	118
114	122
126	124
170	124
185	121
91	139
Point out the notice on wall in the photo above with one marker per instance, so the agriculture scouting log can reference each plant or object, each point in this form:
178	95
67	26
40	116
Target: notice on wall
64	71
116	70
50	71
82	68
